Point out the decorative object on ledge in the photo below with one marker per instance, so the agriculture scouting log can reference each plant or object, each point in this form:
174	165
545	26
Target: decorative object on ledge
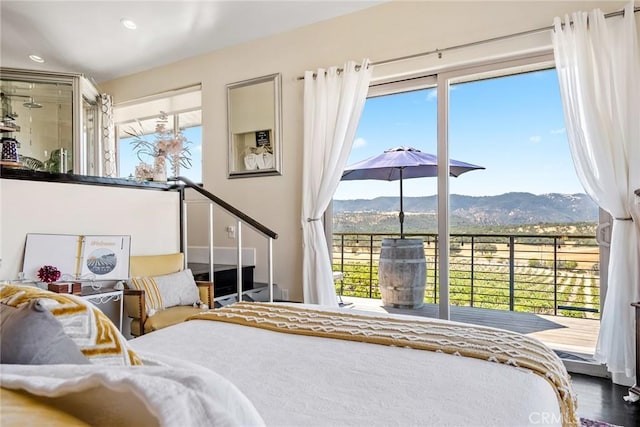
167	144
253	108
160	169
32	163
144	172
9	150
48	273
58	161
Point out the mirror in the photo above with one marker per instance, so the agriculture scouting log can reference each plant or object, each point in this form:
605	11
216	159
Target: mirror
254	122
52	120
37	116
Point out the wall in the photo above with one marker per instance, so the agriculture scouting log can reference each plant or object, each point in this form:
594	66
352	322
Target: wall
382	32
150	217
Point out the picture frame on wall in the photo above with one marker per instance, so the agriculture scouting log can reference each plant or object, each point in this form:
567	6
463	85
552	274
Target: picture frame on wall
263	138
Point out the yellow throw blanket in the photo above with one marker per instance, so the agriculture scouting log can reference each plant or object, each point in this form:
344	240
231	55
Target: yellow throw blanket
493	345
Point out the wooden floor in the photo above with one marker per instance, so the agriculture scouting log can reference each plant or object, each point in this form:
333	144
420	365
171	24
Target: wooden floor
599	399
566	334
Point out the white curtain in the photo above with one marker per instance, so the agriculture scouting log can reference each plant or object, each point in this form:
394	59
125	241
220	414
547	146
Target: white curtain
333	103
598	67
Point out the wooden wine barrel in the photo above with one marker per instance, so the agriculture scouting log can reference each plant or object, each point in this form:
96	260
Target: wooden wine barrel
402	272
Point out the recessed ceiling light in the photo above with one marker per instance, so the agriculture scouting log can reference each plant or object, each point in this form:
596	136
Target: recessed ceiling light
36	58
128	24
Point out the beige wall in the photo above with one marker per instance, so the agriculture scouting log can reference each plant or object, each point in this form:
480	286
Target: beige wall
383	32
150	217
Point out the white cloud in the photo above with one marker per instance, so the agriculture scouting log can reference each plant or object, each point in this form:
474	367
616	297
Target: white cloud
535	139
359	142
557	131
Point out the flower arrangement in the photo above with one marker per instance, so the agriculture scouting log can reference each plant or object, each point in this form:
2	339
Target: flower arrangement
48	273
166	144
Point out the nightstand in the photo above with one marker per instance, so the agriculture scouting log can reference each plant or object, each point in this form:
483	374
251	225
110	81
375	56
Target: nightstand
104	296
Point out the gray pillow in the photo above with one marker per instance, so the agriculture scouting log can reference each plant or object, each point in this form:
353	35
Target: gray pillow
31	335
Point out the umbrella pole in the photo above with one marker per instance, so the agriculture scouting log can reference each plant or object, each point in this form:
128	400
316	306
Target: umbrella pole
401	215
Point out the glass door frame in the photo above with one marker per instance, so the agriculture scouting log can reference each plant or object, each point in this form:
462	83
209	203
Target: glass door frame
493	68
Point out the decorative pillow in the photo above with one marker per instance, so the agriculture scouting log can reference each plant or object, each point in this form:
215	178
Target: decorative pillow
166	291
90	329
31	335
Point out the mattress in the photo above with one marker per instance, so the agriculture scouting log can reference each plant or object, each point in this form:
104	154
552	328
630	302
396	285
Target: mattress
300	380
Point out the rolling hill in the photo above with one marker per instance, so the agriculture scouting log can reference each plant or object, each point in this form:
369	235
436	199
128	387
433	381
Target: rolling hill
509	209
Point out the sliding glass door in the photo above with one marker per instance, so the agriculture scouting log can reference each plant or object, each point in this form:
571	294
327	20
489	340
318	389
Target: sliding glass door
517	237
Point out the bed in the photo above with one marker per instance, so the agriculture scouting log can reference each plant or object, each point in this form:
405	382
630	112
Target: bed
288	365
308	366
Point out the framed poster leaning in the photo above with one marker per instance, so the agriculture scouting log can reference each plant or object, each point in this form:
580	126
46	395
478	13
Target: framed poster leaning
88	257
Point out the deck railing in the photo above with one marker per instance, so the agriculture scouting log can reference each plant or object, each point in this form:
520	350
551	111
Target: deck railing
545	274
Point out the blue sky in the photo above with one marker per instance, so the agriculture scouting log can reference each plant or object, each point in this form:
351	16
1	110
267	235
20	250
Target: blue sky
513	126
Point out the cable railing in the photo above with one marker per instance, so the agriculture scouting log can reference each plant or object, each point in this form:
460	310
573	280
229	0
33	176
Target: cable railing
545	274
240	217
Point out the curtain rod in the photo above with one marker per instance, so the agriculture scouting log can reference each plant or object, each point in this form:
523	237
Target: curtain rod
470	44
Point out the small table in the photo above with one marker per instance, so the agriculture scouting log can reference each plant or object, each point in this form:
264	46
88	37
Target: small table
103	296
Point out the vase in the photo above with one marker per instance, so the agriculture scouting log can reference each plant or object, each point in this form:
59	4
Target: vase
9	150
160	169
175	165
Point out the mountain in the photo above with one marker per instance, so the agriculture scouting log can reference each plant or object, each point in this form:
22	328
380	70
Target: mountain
504	209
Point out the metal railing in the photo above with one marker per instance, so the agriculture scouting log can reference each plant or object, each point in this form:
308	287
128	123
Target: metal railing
546	274
240	217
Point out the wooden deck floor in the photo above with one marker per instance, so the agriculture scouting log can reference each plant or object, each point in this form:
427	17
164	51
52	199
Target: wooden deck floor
567	334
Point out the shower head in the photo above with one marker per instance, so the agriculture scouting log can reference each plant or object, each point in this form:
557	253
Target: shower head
31	104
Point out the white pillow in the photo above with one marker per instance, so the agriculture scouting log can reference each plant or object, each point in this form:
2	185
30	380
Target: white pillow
167	291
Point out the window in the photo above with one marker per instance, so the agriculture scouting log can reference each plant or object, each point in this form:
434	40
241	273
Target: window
510	224
183	114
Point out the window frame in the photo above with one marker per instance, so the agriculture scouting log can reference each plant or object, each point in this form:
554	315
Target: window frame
441	80
173	103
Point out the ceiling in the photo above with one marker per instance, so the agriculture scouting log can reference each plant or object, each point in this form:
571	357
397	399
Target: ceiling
87	36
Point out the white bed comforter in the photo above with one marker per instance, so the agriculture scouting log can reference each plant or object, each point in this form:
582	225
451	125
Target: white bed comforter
296	380
136	396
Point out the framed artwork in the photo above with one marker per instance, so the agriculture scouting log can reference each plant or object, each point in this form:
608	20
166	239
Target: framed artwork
78	257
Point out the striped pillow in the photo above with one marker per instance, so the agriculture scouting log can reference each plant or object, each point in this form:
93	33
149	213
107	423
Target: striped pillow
166	291
89	328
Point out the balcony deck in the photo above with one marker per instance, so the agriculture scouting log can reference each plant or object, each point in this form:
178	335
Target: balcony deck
566	334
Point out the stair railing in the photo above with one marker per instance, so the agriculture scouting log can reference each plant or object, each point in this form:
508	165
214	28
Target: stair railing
240	217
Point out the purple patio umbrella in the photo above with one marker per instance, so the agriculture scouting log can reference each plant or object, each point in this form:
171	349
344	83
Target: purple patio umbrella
400	163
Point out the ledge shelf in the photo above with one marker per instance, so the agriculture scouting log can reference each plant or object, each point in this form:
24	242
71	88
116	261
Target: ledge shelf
11	172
